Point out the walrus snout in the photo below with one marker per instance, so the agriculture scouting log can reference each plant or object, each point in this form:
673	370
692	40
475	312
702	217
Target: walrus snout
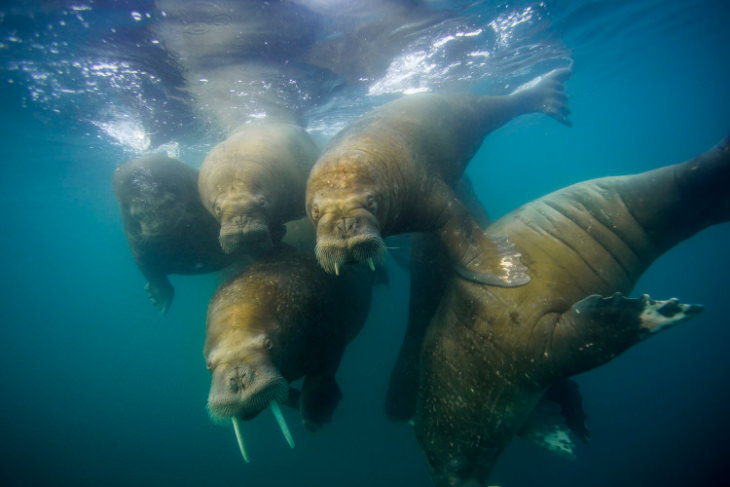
244	231
348	239
244	391
333	253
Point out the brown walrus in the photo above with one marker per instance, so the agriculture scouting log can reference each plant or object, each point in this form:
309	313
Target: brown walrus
168	230
392	171
254	181
490	353
280	319
560	411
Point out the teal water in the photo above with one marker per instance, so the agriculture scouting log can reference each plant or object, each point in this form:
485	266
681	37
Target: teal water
97	389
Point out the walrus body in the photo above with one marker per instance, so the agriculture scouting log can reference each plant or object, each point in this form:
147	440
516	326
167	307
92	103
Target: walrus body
167	228
430	271
280	319
393	170
490	353
254	181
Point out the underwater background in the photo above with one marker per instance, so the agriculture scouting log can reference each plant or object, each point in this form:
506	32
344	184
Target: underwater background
98	389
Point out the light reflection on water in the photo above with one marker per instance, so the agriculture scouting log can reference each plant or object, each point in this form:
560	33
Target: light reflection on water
101	71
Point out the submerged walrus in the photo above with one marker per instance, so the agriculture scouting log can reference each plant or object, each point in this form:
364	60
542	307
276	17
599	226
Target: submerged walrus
254	181
490	352
280	319
168	230
392	171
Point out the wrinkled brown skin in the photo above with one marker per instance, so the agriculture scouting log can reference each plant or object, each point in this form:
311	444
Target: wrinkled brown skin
429	272
490	353
167	228
392	171
281	319
429	275
254	181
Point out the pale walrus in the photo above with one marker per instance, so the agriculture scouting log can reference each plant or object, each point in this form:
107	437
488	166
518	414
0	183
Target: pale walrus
280	319
392	171
168	230
490	353
254	181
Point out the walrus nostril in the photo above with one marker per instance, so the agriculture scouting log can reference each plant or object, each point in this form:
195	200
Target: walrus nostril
352	225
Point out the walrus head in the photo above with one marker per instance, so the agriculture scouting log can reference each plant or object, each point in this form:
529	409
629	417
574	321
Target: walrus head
347	202
348	229
245	381
244	218
156	216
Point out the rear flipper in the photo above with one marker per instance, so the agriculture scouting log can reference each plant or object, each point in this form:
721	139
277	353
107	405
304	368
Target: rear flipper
318	400
547	94
597	329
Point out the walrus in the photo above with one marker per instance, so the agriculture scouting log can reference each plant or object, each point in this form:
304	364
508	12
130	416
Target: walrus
560	411
167	228
253	183
281	319
392	171
429	271
490	352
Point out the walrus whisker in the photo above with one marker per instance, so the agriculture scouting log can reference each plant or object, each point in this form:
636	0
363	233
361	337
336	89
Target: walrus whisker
282	423
239	437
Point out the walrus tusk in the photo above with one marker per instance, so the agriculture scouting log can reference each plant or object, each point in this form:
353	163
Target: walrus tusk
239	437
282	423
337	269
371	264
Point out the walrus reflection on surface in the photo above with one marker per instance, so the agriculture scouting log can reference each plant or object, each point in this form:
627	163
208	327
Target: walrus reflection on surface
254	181
167	228
490	353
393	170
280	319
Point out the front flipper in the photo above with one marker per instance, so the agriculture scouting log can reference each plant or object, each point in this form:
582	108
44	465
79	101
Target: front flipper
596	329
475	255
161	293
547	428
318	400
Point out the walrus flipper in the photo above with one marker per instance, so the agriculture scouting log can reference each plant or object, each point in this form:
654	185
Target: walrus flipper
597	329
498	266
475	255
318	401
546	94
160	292
546	427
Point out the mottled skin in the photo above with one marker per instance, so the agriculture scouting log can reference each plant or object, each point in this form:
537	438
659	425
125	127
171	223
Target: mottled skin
254	181
490	353
281	319
168	230
430	272
392	171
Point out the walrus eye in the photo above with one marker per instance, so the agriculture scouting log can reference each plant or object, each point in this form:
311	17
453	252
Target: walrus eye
370	203
261	201
217	209
267	344
315	211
